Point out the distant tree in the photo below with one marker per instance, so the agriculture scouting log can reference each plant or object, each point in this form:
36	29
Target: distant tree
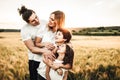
119	30
101	28
115	33
1	30
110	30
73	31
80	31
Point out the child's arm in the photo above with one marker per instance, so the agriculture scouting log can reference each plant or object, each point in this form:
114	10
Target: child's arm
65	75
47	73
66	66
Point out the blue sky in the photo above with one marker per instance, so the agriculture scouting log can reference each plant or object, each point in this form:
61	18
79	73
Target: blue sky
79	13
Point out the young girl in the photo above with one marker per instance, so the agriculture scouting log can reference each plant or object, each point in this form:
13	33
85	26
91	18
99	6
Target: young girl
64	55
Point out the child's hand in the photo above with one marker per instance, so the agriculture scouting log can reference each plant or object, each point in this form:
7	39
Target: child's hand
60	71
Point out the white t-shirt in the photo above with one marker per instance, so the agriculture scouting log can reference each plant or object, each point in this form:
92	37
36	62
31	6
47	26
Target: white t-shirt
47	36
53	74
42	69
29	32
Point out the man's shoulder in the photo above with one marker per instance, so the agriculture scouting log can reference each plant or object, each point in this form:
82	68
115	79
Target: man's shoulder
25	28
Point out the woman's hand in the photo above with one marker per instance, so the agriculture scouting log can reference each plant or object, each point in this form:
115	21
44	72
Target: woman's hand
49	46
49	54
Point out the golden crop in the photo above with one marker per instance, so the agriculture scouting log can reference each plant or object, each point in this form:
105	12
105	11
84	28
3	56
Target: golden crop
95	56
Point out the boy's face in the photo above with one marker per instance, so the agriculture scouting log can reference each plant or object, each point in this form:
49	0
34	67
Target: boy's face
59	37
34	20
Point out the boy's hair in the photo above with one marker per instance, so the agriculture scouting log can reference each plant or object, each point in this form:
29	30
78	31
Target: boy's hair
66	34
26	13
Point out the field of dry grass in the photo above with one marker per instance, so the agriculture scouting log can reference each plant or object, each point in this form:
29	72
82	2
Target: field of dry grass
93	54
13	57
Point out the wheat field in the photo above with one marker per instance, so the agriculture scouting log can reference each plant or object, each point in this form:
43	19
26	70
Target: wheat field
96	58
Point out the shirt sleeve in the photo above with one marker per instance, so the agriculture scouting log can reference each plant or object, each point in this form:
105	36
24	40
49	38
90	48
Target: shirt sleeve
25	35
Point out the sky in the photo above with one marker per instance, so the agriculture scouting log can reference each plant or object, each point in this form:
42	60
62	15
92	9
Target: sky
78	13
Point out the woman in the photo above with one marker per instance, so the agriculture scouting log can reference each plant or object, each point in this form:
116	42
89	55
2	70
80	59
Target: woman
46	37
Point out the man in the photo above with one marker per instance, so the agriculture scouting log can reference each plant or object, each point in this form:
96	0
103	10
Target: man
28	33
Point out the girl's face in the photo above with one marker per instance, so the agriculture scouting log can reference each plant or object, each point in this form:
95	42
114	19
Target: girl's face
61	48
59	37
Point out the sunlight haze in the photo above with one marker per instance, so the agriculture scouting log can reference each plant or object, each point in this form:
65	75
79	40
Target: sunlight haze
79	13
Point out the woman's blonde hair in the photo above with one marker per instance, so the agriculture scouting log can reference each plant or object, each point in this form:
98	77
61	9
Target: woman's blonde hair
60	17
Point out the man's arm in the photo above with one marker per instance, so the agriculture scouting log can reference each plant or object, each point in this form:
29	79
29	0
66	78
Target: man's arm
36	50
30	45
39	43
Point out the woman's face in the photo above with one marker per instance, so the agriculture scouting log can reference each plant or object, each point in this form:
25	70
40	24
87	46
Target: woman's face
52	21
59	37
61	48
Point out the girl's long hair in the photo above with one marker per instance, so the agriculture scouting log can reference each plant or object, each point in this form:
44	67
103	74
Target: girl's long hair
69	56
60	17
